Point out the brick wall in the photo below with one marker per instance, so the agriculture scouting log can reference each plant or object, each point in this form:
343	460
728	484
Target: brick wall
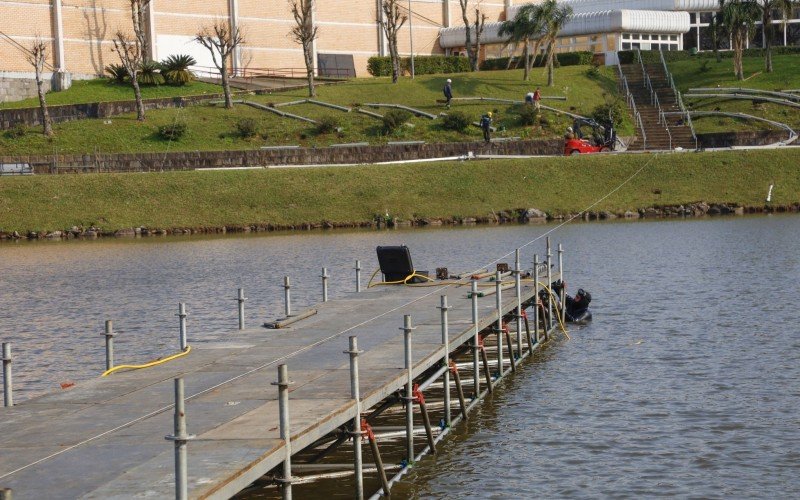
156	162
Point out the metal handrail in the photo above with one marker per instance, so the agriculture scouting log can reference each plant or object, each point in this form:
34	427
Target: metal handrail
678	98
631	102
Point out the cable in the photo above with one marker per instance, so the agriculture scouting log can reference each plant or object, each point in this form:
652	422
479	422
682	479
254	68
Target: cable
148	365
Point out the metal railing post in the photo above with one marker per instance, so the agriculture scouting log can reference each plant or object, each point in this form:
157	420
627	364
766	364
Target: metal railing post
446	343
356	395
407	329
358	276
563	293
536	296
287	296
182	324
8	385
518	290
285	430
324	284
499	328
549	282
109	334
180	438
240	298
476	347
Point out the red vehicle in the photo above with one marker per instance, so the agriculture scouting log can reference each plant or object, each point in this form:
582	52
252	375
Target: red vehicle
602	140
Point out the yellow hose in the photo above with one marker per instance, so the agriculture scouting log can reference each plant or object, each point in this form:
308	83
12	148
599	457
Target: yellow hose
557	309
148	365
403	281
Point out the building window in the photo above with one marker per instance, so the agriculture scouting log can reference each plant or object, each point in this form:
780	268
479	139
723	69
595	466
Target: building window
626	46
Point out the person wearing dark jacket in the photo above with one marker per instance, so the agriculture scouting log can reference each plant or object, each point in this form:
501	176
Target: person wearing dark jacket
486	126
448	92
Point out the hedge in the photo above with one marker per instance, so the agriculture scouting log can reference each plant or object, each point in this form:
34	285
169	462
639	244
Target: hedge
652	57
423	65
562	59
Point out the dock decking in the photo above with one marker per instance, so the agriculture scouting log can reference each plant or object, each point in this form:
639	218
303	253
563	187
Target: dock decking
104	438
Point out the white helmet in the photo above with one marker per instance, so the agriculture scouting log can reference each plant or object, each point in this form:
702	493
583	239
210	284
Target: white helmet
449	81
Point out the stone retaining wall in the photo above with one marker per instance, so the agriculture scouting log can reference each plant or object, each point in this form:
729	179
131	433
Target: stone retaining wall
157	162
30	117
728	139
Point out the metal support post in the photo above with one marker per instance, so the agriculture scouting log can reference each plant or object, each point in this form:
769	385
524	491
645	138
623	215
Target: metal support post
426	420
518	289
324	284
536	296
549	290
407	329
562	295
356	395
182	319
180	438
8	385
376	455
459	389
358	276
486	372
499	328
285	430
240	298
446	342
287	296
476	341
109	344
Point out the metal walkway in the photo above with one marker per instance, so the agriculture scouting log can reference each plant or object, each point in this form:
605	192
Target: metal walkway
105	438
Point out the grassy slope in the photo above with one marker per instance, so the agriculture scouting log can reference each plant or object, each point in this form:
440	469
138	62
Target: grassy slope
786	75
101	90
212	128
294	196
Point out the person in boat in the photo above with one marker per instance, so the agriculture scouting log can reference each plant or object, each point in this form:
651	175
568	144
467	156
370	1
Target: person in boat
577	307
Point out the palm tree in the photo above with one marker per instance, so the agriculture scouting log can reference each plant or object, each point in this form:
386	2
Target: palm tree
768	9
527	25
739	19
555	17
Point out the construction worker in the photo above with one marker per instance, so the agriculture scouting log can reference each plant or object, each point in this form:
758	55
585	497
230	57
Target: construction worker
448	92
537	97
486	126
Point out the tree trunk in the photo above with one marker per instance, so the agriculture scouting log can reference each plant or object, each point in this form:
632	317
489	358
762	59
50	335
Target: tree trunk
527	76
551	55
395	58
226	86
766	34
137	93
309	57
768	49
45	115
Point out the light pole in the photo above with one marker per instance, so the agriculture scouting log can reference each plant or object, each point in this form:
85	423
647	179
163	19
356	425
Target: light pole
411	38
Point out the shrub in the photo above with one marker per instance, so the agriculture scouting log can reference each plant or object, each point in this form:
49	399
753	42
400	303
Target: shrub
246	128
704	66
175	69
582	58
423	65
150	74
172	131
457	121
394	119
613	110
16	131
594	70
117	73
528	115
329	124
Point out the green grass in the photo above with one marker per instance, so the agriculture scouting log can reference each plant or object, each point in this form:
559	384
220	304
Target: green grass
344	194
213	128
102	90
786	75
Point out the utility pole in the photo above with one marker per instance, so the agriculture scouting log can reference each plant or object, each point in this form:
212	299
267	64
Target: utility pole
411	37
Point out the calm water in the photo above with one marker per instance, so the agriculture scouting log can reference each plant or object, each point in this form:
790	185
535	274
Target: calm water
687	383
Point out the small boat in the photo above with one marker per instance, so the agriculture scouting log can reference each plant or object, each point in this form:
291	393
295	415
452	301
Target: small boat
577	307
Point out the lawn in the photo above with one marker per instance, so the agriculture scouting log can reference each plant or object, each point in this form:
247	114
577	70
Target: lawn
102	90
355	194
708	73
213	128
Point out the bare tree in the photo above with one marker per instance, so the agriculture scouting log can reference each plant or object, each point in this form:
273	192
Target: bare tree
468	41
130	55
304	32
221	41
392	21
37	57
138	18
480	22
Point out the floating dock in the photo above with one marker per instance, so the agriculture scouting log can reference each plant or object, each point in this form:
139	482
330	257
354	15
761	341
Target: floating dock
228	406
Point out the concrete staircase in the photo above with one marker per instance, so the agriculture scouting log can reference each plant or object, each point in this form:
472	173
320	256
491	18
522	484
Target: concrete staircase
674	133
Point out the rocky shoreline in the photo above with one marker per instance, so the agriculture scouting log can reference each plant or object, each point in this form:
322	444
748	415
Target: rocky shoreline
521	216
